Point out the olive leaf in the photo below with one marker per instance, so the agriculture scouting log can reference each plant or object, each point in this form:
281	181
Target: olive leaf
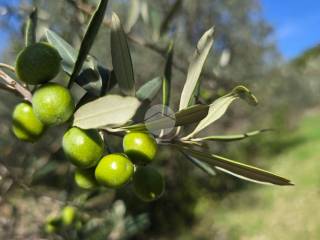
237	169
133	15
184	117
202	165
111	110
93	77
31	28
229	138
219	107
66	51
199	56
121	58
89	37
90	78
149	90
166	83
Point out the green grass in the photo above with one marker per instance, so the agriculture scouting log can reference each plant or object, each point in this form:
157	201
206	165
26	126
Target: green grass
269	212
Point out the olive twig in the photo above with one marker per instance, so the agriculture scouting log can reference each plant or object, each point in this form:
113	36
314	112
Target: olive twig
7	66
12	85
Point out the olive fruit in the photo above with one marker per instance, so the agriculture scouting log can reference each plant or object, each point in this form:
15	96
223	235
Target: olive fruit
85	179
53	104
148	184
25	125
114	170
38	63
68	215
53	224
140	147
83	148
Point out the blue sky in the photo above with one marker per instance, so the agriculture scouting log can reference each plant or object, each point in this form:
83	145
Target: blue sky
296	24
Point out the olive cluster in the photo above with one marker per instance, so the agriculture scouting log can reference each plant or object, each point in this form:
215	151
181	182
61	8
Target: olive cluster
52	104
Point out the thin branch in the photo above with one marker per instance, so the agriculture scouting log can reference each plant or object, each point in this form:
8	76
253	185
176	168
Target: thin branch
11	84
7	66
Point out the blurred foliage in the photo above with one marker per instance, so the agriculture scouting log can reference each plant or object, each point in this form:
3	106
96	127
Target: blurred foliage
243	54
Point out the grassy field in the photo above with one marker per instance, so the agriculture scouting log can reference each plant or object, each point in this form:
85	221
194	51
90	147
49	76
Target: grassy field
268	212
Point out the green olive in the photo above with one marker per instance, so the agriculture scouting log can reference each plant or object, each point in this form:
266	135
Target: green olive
85	179
83	148
140	147
25	125
68	215
114	170
38	63
53	104
148	184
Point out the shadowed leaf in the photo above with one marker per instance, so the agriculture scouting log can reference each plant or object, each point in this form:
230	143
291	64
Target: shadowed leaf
89	37
31	28
166	83
121	58
149	90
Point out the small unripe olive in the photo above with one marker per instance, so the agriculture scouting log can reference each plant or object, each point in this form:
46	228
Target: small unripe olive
83	148
38	63
53	104
85	178
148	184
25	125
114	170
68	215
53	224
140	147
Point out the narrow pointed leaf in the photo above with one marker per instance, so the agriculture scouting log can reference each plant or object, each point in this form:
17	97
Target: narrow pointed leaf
202	165
238	169
196	64
166	83
229	138
66	51
31	28
89	37
169	17
149	90
183	117
219	107
111	110
133	15
121	58
93	77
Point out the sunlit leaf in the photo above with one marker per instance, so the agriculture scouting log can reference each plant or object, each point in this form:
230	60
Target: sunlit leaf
149	90
199	56
219	107
229	138
89	37
111	110
31	28
238	169
121	58
133	15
